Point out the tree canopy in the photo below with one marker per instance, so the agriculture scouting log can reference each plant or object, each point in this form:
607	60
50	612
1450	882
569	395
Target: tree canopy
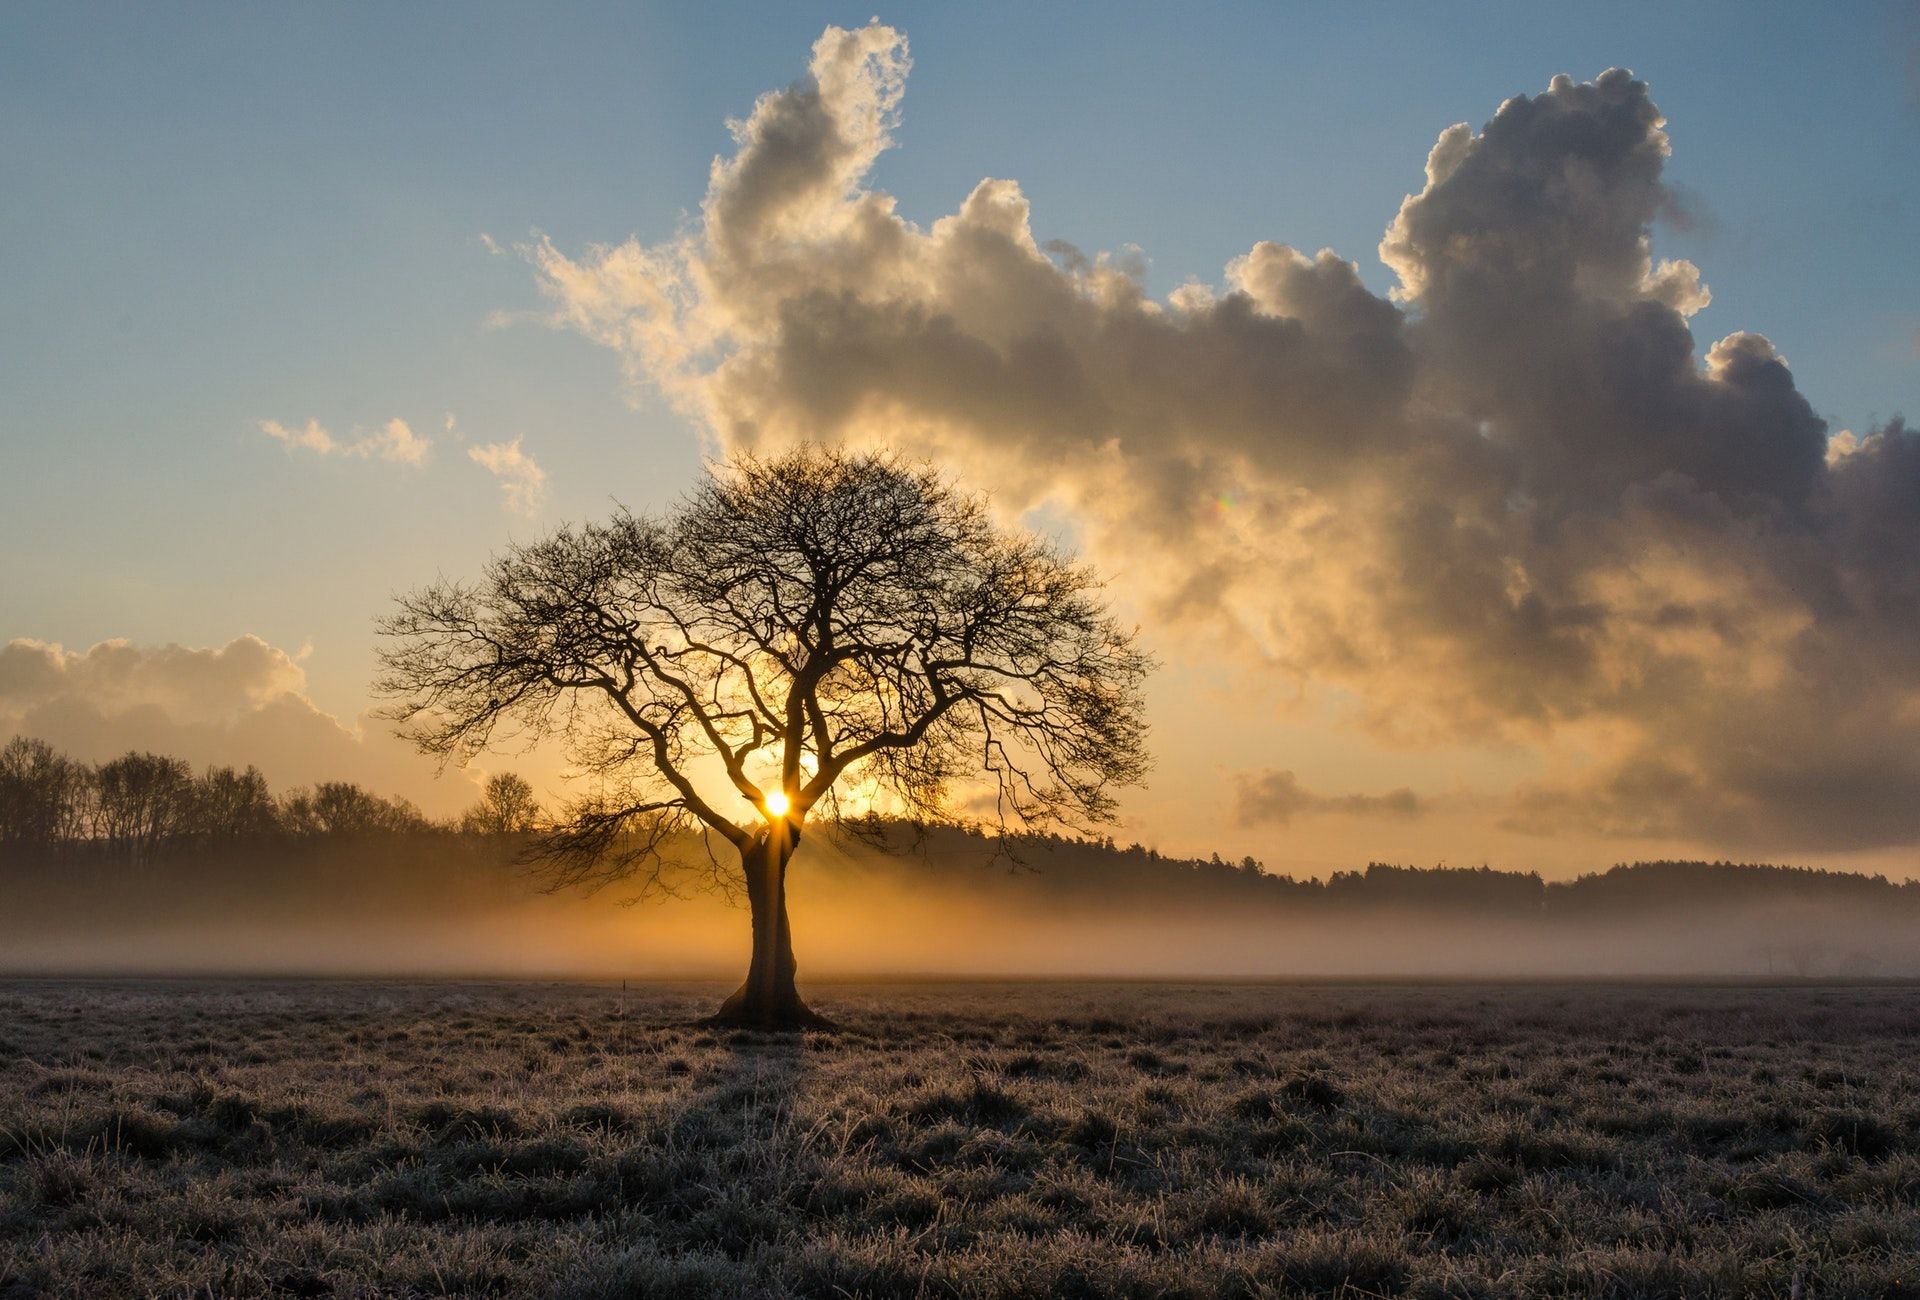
815	625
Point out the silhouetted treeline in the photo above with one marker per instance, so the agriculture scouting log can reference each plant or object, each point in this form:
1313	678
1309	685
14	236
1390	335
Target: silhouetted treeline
143	807
147	809
1068	866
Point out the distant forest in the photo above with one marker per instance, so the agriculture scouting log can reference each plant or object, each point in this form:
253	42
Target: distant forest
142	807
150	811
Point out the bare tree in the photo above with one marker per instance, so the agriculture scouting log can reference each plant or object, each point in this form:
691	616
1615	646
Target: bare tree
815	630
143	802
230	805
343	809
44	797
507	807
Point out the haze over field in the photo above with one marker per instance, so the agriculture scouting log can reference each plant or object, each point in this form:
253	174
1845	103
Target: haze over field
449	904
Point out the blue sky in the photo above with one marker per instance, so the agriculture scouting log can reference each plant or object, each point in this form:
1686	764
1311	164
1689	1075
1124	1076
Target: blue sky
226	214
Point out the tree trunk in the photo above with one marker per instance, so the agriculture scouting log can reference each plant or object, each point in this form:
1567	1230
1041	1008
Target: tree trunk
768	998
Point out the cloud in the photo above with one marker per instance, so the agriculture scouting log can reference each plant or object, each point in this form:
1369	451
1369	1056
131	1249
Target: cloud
394	441
311	438
1277	797
523	484
1515	500
215	684
244	702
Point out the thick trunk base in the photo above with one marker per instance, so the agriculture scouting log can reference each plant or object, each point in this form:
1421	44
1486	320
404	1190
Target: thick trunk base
781	1013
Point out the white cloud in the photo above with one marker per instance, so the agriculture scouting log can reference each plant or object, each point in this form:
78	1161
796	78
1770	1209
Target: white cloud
523	484
394	441
311	438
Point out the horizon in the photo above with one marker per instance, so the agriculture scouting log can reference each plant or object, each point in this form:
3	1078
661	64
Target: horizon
336	883
288	815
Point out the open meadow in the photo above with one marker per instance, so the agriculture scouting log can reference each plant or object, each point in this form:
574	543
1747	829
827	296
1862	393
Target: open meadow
365	1138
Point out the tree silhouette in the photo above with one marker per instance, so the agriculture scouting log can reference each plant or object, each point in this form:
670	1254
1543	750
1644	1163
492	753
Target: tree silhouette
142	801
343	809
230	805
45	797
507	807
801	631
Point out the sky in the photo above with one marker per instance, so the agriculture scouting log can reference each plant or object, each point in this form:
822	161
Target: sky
1478	545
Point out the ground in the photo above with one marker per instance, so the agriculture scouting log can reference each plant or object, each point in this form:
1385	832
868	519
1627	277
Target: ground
573	1140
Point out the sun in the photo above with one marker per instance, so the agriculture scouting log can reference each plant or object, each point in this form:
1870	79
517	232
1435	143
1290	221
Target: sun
777	803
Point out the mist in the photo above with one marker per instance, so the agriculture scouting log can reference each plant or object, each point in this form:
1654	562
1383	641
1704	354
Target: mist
952	908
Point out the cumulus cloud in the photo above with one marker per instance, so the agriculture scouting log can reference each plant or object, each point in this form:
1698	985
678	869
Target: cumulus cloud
1276	797
395	441
216	684
523	484
244	702
1515	499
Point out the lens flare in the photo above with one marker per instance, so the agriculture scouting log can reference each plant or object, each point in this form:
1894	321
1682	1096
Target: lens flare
777	803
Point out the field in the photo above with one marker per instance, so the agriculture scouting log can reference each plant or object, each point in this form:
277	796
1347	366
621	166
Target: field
578	1140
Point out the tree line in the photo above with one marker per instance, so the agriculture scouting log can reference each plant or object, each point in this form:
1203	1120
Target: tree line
1076	866
142	806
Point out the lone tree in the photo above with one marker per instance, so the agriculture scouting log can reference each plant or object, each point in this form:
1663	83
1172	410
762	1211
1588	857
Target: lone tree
817	630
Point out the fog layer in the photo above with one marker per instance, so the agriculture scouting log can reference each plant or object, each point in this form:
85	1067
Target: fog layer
460	906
